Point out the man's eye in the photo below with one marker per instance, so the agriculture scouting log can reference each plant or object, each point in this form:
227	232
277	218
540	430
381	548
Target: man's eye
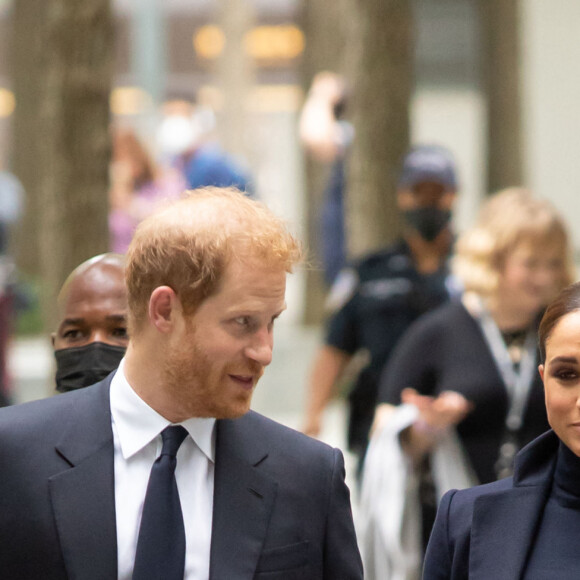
243	321
72	334
120	332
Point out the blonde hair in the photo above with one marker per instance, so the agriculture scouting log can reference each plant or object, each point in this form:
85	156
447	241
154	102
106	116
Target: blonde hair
509	218
188	245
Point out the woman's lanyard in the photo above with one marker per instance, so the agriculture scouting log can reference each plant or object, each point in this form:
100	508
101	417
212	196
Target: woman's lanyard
518	384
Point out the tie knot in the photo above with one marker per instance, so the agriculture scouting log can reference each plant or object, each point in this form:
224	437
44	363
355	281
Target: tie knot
173	437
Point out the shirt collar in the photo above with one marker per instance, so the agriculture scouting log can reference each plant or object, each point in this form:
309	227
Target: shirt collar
138	424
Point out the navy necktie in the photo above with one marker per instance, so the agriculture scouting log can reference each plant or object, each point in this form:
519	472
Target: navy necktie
161	543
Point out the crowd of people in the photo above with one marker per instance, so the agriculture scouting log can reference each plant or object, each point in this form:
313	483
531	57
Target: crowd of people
150	464
443	333
375	300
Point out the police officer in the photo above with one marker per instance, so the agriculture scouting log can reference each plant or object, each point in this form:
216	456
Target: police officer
375	301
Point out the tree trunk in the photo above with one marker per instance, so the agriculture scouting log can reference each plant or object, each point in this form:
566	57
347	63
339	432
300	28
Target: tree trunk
500	24
235	77
71	154
382	38
28	64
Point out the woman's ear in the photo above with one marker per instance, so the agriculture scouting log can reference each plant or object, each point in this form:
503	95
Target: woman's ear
541	371
162	305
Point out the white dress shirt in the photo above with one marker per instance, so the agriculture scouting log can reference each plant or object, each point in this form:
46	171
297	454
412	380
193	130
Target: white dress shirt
137	443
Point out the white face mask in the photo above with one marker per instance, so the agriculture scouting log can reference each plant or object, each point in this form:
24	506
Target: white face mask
176	135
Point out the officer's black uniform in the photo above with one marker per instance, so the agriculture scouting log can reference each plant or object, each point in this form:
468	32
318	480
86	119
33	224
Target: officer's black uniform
381	296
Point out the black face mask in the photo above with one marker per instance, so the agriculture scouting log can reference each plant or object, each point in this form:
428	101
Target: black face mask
82	366
427	221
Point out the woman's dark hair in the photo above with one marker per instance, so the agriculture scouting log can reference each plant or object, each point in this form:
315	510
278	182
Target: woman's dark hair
567	301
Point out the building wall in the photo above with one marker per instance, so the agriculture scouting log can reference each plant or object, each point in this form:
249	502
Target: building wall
551	57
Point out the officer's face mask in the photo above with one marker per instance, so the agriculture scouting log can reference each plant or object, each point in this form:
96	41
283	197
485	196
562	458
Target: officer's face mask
427	221
82	366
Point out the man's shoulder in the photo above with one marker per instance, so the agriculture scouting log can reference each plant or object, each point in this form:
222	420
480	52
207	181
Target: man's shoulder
383	265
51	413
260	424
280	439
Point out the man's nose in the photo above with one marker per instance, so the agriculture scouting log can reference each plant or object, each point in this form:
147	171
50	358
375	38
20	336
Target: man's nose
260	348
99	335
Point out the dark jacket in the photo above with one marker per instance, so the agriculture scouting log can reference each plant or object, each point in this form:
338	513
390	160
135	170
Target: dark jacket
281	507
487	531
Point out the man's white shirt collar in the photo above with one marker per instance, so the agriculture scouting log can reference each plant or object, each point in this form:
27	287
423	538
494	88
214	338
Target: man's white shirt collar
138	424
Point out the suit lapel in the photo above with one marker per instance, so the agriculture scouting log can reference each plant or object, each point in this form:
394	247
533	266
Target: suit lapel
243	499
505	523
83	496
504	526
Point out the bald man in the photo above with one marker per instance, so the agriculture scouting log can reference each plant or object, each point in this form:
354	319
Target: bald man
91	337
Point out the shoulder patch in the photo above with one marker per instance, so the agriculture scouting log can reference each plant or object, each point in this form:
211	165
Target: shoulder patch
342	290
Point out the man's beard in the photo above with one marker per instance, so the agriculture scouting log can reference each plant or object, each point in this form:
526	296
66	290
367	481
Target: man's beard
198	388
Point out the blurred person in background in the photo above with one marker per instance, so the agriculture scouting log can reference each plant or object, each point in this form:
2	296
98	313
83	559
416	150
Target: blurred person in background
11	208
374	301
525	526
327	136
185	139
91	337
138	187
469	367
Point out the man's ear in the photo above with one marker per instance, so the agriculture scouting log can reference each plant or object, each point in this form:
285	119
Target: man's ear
52	339
541	371
162	306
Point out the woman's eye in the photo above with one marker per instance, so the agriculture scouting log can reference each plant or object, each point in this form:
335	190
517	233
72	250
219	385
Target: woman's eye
566	375
243	321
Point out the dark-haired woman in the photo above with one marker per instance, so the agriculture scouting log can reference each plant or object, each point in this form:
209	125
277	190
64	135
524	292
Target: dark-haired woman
526	527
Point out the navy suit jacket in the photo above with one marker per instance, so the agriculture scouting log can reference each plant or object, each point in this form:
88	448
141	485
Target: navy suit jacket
281	507
487	531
